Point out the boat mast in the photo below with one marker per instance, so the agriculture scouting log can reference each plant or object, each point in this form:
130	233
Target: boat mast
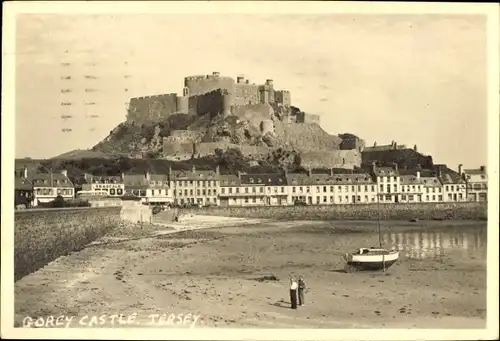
378	215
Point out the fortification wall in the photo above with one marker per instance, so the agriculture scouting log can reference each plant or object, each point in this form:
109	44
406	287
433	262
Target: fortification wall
213	102
423	211
283	97
303	136
199	85
148	108
208	148
331	159
42	235
255	113
182	136
177	151
246	94
307	118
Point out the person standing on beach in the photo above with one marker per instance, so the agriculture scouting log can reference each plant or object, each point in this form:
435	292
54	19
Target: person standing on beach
301	289
293	292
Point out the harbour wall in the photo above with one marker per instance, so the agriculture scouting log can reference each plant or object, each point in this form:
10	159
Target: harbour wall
422	211
43	235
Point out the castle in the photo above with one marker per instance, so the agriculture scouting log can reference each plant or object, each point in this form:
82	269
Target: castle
216	95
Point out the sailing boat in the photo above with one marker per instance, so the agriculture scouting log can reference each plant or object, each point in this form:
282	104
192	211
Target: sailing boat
371	258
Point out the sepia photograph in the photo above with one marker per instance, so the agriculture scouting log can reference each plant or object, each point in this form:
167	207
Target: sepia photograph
250	170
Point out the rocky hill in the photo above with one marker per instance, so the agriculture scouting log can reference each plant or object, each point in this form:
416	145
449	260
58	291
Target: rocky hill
262	133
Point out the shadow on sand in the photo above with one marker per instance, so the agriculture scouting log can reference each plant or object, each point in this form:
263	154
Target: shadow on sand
281	304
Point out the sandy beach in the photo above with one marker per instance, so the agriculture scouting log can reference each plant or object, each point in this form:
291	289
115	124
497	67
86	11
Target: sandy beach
223	276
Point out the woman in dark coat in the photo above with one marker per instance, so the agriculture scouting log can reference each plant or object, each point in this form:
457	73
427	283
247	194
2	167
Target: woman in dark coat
293	292
302	288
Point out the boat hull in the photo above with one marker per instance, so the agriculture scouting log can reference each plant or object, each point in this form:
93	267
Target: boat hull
371	266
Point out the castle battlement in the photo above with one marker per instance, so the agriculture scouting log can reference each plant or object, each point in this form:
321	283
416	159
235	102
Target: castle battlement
210	93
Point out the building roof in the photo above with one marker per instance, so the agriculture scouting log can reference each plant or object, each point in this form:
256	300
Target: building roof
410	180
404	158
159	177
448	176
194	174
103	178
135	181
229	180
475	171
269	179
49	180
385	171
432	181
22	184
302	179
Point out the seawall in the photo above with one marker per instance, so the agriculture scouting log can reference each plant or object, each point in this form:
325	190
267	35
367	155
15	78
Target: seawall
42	235
424	211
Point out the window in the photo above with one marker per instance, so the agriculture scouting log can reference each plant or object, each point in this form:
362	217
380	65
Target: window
230	190
300	189
254	200
358	198
325	200
317	200
324	189
331	188
403	197
223	190
237	190
209	192
440	197
185	192
433	198
307	189
410	197
359	188
119	191
388	188
251	180
395	188
366	198
403	188
366	188
353	188
197	192
373	188
388	198
381	188
346	188
446	188
282	189
254	190
262	190
331	198
275	189
293	189
190	192
340	198
246	199
246	189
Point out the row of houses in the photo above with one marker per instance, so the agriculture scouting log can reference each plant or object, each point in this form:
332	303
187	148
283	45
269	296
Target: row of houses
209	187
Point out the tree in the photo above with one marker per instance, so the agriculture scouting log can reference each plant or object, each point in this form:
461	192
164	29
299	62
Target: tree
58	202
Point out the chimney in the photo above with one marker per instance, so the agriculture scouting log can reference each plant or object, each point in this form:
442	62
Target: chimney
148	176
193	169
215	73
374	167
438	171
375	143
247	81
395	166
483	169
25	172
240	79
460	169
331	171
217	170
394	145
239	175
170	170
418	175
269	82
123	177
415	147
64	172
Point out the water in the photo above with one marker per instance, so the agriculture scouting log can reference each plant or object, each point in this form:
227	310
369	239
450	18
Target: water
436	244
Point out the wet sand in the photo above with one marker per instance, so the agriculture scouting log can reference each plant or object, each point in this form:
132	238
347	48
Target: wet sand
219	274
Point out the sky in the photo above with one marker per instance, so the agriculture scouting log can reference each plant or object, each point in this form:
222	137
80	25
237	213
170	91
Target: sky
415	79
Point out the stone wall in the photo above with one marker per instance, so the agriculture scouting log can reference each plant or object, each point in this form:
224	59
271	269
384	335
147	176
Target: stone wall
184	136
208	148
255	113
331	159
177	151
423	211
198	85
42	235
148	108
306	137
246	94
302	117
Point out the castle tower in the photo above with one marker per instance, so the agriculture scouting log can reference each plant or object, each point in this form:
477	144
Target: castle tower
270	90
226	103
182	104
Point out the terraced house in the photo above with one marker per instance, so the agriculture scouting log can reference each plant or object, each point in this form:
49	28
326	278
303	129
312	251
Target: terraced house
253	190
328	189
47	186
199	187
476	183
